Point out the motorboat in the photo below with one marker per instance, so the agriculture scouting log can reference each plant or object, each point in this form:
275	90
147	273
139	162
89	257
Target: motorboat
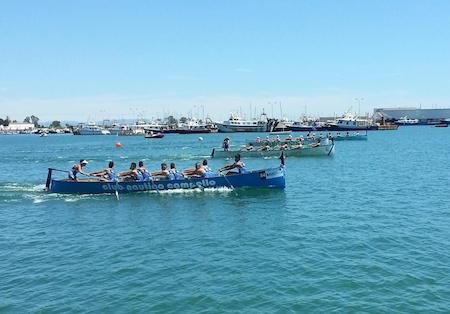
237	124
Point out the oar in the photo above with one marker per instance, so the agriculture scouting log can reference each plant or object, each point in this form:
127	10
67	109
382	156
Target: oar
228	181
117	191
282	159
156	185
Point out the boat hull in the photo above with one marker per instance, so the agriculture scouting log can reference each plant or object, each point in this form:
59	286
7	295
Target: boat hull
307	128
203	131
323	150
154	136
89	132
349	128
280	132
267	178
351	138
223	128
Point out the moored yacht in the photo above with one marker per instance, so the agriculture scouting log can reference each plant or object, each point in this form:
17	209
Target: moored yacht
405	121
348	122
196	127
90	129
307	124
237	124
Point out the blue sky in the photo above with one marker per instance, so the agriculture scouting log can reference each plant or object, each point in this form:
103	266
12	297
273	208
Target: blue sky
79	60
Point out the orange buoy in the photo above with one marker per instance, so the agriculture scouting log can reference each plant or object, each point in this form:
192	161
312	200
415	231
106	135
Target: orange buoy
118	145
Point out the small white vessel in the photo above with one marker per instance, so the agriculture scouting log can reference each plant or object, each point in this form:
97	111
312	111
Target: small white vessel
151	134
193	126
282	127
349	121
405	121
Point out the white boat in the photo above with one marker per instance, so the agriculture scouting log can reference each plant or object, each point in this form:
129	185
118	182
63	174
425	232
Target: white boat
194	126
91	129
405	121
151	134
236	124
139	128
282	127
349	121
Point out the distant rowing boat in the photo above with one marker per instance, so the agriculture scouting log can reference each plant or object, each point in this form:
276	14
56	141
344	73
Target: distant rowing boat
280	132
289	141
351	138
304	151
265	178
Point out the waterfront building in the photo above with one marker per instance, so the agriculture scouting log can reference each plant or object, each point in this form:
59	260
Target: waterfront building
424	116
19	127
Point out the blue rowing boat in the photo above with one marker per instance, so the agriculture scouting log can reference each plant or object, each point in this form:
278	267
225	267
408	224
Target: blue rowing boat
266	178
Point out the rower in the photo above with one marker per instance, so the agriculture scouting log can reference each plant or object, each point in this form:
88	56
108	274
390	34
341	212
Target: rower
238	164
163	173
130	175
289	138
265	147
316	144
208	171
78	169
198	171
173	173
226	144
106	174
143	174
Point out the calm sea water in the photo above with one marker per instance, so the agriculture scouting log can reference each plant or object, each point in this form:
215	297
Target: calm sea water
365	231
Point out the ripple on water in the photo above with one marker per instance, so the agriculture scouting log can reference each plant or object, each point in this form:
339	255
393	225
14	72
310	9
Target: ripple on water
365	231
